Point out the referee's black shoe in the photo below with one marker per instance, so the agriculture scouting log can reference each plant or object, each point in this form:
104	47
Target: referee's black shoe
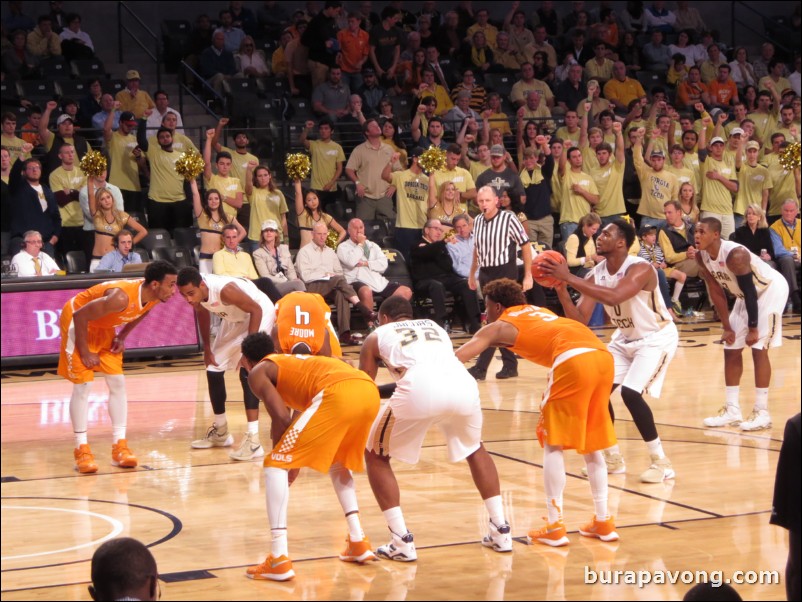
477	373
506	373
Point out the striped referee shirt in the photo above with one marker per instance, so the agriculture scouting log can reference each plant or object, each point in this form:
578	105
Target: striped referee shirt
494	237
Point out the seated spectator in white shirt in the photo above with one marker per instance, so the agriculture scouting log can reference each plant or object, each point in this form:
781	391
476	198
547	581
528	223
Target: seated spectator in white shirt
32	261
76	43
156	117
364	263
121	255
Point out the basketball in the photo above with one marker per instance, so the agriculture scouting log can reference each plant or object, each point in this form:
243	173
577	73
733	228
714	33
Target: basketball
538	275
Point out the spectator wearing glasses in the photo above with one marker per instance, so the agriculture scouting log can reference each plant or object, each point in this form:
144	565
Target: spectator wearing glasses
31	261
250	62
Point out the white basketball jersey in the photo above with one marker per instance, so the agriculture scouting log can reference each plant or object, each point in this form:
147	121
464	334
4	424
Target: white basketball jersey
762	273
638	316
232	313
405	345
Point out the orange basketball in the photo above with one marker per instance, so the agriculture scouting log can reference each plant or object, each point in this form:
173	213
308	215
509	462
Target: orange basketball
539	276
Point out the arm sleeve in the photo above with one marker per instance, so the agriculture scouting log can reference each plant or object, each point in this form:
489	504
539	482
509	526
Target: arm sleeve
747	285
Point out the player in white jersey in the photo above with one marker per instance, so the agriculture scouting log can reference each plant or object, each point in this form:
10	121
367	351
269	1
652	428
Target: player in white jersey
243	310
755	320
432	387
645	339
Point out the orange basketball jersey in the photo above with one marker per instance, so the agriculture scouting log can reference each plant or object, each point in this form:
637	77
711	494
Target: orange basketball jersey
305	318
134	310
302	377
543	335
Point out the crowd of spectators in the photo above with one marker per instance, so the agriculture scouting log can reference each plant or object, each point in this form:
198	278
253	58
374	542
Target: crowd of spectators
573	120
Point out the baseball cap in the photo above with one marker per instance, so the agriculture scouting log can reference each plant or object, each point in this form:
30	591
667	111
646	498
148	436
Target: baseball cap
736	131
497	151
132	74
128	117
368	71
269	224
658	153
753	144
717	139
62	118
416	152
646	229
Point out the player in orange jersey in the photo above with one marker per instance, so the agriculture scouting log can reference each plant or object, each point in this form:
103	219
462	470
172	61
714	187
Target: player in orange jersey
90	343
303	325
574	412
334	406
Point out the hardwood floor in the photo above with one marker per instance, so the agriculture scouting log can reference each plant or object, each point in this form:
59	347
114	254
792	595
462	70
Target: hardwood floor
204	515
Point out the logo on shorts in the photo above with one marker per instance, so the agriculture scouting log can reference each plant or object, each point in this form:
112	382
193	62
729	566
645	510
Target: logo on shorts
281	457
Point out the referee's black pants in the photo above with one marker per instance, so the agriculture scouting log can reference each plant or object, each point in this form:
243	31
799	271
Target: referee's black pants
487	275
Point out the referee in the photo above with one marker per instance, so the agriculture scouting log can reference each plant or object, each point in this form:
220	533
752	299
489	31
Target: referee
496	235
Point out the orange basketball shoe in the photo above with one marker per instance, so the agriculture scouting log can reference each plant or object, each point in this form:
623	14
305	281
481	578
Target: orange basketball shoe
84	459
272	569
602	529
121	455
553	534
357	551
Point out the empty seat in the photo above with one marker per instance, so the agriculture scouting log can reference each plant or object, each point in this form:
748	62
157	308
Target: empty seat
87	68
38	89
157	237
186	237
71	88
499	82
143	253
180	257
76	262
376	230
302	108
397	269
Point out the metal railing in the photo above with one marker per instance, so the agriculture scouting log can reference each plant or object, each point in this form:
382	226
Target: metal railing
757	16
124	10
187	73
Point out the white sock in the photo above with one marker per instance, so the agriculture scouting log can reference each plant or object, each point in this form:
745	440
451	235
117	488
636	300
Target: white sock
278	543
253	427
678	286
597	476
220	420
277	495
656	448
762	398
554	481
118	405
343	482
355	532
495	508
732	396
79	411
395	521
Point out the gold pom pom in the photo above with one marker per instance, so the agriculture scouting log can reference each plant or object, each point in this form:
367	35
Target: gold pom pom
94	164
789	158
432	159
189	165
331	239
298	166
